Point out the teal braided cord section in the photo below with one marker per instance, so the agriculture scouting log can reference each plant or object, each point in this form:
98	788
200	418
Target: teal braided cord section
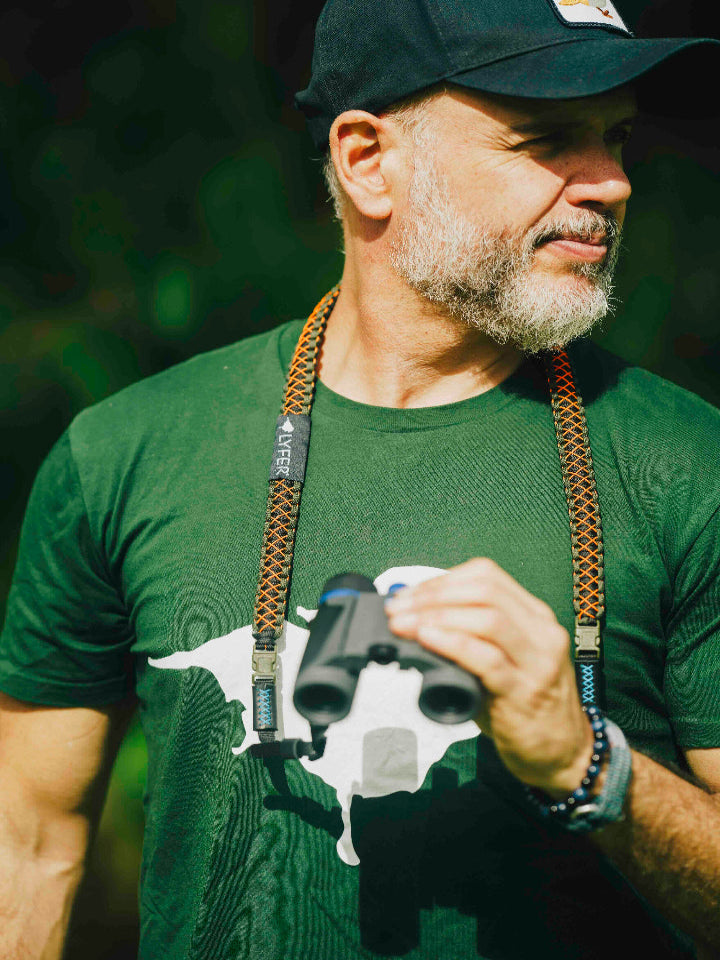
587	683
264	701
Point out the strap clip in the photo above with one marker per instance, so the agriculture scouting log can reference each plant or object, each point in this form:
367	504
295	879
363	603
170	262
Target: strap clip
264	664
587	641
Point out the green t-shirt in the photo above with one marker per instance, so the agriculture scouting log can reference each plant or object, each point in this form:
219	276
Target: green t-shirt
138	567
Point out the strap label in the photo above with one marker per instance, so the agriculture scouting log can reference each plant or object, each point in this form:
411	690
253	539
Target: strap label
292	438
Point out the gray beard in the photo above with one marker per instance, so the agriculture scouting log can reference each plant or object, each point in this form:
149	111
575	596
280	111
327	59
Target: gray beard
484	279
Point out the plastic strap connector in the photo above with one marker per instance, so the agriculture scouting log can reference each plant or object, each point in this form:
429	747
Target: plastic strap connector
264	664
587	642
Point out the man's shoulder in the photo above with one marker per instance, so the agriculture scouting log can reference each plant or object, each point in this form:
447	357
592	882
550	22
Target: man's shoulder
211	384
658	437
245	363
642	404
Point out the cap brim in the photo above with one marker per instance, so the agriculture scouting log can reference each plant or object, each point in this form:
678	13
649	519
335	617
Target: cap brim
588	67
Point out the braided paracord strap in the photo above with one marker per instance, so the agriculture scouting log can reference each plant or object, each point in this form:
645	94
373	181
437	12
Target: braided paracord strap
283	503
585	526
281	517
580	490
279	537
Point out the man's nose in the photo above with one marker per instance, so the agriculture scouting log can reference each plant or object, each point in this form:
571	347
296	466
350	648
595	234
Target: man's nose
598	178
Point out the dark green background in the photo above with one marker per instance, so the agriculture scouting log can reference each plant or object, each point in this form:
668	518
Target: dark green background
159	197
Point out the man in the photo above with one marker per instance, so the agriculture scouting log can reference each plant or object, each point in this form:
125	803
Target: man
476	163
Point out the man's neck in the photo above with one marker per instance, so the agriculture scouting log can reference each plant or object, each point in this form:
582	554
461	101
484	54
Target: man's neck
392	349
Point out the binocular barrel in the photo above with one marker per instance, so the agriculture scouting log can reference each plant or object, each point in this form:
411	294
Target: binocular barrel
449	694
349	631
324	694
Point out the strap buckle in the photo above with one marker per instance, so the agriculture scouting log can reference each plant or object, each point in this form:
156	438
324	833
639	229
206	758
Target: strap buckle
264	664
587	641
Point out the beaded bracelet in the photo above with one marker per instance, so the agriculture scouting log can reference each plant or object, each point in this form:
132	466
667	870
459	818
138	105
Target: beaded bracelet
561	809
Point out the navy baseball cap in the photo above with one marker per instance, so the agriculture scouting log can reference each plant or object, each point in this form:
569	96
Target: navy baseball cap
371	53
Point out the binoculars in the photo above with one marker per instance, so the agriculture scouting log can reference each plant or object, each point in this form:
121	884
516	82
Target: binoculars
350	630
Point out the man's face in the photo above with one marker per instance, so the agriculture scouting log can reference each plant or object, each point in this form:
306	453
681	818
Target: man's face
514	211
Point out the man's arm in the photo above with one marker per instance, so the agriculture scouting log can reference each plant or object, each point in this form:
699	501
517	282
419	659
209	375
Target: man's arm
54	768
669	844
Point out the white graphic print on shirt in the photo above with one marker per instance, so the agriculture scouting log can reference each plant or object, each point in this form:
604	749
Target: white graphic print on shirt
385	744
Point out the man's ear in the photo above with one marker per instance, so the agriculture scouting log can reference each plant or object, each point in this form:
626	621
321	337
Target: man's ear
362	147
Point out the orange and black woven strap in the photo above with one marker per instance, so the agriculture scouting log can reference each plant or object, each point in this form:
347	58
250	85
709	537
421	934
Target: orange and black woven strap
281	517
283	503
585	525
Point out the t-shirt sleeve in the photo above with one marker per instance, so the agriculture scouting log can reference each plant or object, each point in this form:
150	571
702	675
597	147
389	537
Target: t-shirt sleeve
66	639
692	666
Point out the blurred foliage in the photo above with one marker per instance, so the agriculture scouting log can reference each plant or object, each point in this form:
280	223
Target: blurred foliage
159	197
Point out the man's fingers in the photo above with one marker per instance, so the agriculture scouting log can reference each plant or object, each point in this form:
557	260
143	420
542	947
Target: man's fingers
525	639
479	582
479	657
486	623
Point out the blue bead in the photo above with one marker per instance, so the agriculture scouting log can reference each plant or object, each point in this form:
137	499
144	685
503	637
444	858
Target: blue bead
561	807
593	770
600	746
598	724
580	794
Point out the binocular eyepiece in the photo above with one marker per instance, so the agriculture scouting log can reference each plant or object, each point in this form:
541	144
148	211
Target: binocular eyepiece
350	630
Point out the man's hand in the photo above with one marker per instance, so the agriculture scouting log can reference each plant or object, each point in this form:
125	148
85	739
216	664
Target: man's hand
668	845
480	617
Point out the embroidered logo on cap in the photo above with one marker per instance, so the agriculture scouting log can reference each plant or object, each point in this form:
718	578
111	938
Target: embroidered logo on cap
589	12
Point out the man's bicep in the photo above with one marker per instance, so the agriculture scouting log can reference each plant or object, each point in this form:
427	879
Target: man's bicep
58	759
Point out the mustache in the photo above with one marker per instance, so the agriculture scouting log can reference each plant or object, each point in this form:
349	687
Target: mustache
590	226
